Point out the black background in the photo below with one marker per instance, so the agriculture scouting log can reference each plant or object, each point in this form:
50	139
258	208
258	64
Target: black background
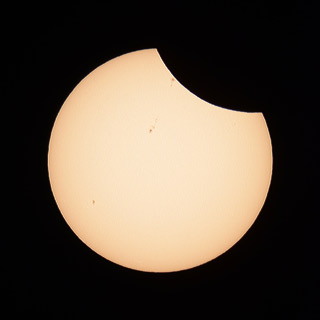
240	55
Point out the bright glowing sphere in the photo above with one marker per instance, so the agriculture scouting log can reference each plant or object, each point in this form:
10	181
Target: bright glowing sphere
150	176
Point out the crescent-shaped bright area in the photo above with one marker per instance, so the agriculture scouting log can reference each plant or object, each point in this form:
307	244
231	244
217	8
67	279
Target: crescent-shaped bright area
150	176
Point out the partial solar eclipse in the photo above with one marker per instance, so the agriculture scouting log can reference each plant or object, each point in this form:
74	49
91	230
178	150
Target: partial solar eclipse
150	176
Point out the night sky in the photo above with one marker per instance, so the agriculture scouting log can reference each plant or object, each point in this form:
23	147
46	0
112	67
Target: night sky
236	55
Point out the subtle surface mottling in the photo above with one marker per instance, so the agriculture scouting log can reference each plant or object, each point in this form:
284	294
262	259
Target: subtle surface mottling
175	180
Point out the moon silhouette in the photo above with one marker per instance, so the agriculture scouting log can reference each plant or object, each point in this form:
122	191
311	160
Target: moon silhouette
150	176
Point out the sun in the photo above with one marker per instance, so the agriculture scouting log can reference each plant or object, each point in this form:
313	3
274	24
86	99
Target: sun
150	176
